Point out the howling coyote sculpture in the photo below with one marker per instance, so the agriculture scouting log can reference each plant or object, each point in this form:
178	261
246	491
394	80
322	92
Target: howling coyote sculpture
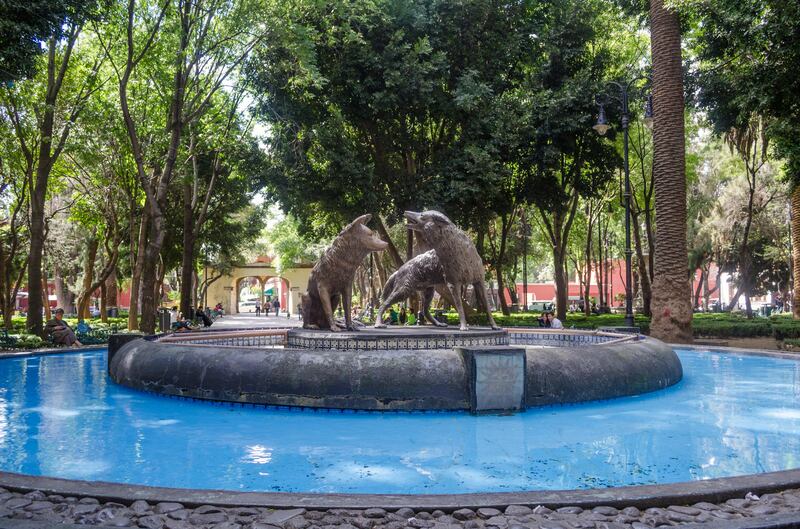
458	257
331	279
423	272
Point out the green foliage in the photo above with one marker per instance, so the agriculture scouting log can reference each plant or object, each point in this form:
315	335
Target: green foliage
573	320
25	24
748	53
289	247
708	325
384	106
28	341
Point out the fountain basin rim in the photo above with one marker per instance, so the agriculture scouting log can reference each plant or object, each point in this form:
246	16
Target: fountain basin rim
641	496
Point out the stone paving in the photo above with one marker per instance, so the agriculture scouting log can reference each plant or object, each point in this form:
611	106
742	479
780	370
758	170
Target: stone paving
37	506
249	320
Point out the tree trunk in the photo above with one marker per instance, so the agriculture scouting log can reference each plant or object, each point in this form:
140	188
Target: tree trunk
45	298
561	282
599	265
699	289
88	278
33	322
671	303
795	222
103	302
187	262
60	288
384	233
111	289
644	274
150	272
136	274
587	276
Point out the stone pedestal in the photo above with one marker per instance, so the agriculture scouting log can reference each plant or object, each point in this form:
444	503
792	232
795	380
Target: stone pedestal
496	377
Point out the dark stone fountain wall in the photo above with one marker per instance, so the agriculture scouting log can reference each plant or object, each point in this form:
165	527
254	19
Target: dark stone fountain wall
458	374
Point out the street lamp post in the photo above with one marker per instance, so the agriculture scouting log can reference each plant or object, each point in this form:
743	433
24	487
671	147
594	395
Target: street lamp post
602	127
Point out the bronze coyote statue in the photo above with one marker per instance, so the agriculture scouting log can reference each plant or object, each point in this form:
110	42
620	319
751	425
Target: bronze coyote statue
458	257
331	279
423	272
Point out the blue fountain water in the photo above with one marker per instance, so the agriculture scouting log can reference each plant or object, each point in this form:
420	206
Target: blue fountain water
62	416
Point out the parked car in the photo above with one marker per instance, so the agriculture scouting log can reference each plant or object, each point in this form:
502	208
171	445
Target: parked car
247	306
540	306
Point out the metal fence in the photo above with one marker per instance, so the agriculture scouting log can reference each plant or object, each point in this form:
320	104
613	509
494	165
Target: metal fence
264	339
565	337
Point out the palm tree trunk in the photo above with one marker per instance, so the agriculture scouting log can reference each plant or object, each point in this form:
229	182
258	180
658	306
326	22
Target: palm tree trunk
796	250
671	303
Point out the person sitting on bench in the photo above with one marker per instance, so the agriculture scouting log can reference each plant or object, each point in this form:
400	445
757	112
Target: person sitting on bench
60	332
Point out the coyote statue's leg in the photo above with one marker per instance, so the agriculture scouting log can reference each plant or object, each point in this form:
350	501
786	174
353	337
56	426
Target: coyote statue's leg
483	297
388	300
325	300
427	298
455	289
347	302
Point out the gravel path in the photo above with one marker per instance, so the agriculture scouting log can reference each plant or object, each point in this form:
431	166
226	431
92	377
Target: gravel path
36	506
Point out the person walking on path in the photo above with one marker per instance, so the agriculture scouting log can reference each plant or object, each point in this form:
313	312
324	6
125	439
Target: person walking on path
277	306
258	308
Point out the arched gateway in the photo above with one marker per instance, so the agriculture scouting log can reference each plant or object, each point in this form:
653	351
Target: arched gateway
262	274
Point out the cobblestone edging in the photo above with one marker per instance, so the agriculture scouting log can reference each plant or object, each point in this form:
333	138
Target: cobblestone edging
769	510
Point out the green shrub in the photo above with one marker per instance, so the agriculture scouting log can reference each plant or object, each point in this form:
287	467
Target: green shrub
531	319
28	341
786	329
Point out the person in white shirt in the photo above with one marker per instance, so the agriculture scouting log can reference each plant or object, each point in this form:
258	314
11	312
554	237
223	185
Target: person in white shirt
555	323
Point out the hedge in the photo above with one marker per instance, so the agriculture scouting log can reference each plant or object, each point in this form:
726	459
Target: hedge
721	325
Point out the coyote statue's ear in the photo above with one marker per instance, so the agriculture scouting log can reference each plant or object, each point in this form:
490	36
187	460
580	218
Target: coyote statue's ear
363	219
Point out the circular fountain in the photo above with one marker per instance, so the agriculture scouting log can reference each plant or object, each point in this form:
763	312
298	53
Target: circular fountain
399	369
407	368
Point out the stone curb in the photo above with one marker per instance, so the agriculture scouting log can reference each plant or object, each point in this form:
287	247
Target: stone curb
641	496
17	353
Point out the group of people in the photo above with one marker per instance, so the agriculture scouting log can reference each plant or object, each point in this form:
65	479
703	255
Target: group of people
275	304
183	322
548	319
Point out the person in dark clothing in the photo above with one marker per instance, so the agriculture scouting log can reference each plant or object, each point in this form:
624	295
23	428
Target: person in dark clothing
61	333
277	306
403	316
202	316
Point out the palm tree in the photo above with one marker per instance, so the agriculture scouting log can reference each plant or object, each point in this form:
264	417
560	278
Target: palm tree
796	249
671	303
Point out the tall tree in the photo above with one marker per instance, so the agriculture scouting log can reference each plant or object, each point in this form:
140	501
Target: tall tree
748	51
202	43
43	112
568	158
